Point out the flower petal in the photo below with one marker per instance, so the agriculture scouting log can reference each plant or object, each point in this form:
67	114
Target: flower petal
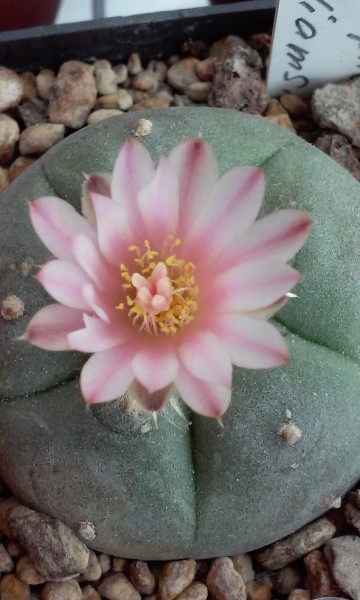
151	402
113	229
97	303
50	326
93	263
159	203
196	167
155	367
205	357
63	281
107	375
97	335
279	235
207	399
253	285
94	184
252	343
133	171
56	222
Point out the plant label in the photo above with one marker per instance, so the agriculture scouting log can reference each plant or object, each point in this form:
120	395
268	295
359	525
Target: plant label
314	42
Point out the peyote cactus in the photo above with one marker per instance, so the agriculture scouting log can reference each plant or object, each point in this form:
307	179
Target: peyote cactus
166	488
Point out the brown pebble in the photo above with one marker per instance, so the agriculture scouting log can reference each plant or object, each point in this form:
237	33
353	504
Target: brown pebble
4	179
119	565
294	546
152	102
44	81
205	69
121	100
195	591
182	74
20	165
299	595
134	65
104	562
118	587
61	590
320	581
289	432
175	577
243	565
90	593
38	139
286	579
199	91
14	549
11	89
145	82
285	122
274	109
294	105
27	573
12	308
6	507
354	498
141	577
11	588
34	112
352	516
258	590
29	85
6	562
158	68
93	570
105	77
223	582
73	94
102	114
9	135
340	149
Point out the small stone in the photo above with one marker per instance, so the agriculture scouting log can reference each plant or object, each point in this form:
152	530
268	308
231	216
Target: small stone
44	82
294	105
175	577
38	139
73	94
294	546
90	593
352	516
233	46
286	579
4	179
299	595
319	580
29	85
12	308
93	570
87	530
205	69
336	105
121	73
118	587
61	590
158	68
105	77
274	109
223	582
134	65
354	498
138	96
290	432
27	573
20	165
152	102
243	565
11	588
258	590
14	549
141	577
145	82
6	562
122	99
195	591
343	555
182	74
285	122
119	565
104	562
33	112
101	115
11	89
199	91
9	135
339	148
54	549
142	128
6	507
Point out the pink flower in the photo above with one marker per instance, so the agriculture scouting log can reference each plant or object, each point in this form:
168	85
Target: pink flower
169	280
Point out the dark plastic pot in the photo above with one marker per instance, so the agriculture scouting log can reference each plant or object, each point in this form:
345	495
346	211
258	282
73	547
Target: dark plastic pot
27	13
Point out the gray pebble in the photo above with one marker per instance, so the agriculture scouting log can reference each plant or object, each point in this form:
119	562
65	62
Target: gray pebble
145	81
199	91
34	112
158	68
343	556
182	74
121	73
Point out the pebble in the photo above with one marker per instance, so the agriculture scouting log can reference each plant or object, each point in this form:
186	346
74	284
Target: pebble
289	432
352	516
152	102
243	565
73	94
257	590
29	85
87	530
27	573
223	582
145	81
320	581
34	112
4	179
234	46
54	549
101	115
205	69
158	68
104	562
294	546
14	549
199	91
182	74
44	81
11	89
90	593
9	135
20	165
105	77
339	148
12	308
142	128
11	588
299	595
141	577
118	587
294	105
343	555
134	65
38	139
336	105
121	73
195	591
175	577
354	498
93	570
286	579
61	590
6	562
121	99
119	565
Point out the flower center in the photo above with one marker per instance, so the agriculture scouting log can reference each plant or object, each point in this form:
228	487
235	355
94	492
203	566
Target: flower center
161	294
